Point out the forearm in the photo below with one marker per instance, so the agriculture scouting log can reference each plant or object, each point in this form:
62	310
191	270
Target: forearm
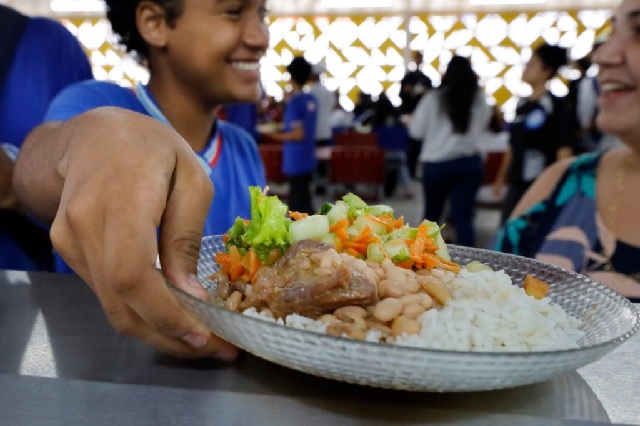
295	134
36	178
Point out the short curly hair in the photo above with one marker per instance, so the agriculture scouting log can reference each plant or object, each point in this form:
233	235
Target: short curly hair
300	70
122	16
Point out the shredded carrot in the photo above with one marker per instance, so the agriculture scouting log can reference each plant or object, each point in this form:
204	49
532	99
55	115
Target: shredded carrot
353	252
341	224
406	264
297	215
416	249
430	261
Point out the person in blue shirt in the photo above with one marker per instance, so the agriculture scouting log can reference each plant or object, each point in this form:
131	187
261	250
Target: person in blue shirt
38	58
126	175
298	136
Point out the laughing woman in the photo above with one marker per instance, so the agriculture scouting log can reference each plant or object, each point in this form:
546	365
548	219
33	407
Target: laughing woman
582	214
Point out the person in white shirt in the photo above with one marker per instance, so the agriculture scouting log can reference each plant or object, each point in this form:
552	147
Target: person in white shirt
450	121
326	101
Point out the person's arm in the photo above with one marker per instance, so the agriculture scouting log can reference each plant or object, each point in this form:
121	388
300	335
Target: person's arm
107	180
8	199
501	176
295	134
542	187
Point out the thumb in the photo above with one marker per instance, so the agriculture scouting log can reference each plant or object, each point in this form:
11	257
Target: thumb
182	224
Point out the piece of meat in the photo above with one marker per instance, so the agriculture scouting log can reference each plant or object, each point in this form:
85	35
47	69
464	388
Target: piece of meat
294	285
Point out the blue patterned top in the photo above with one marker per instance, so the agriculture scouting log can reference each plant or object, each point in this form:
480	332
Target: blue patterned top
566	230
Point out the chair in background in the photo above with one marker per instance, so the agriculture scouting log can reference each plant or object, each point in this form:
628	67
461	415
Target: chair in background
357	169
351	138
272	159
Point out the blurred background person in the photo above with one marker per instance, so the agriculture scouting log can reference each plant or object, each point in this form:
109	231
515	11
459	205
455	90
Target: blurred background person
341	120
413	86
298	136
582	213
449	121
363	110
38	58
392	137
326	100
541	132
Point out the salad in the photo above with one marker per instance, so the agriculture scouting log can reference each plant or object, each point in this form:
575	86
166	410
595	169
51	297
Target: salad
350	225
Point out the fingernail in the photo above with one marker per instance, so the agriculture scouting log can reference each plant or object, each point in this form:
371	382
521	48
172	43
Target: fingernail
196	340
193	281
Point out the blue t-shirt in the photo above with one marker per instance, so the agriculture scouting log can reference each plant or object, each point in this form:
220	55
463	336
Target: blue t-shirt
299	157
231	157
47	58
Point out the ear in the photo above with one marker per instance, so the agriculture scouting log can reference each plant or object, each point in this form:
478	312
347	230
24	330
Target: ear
152	24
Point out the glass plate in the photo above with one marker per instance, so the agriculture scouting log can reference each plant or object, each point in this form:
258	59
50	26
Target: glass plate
609	319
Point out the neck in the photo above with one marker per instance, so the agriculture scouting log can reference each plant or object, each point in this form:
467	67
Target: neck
192	120
537	91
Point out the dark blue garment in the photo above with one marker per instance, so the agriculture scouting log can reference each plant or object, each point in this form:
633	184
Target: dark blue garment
47	58
244	115
299	157
457	180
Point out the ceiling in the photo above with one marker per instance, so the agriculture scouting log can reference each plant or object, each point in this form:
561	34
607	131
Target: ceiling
284	7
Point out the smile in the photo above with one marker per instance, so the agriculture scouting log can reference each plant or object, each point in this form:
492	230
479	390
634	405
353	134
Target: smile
246	66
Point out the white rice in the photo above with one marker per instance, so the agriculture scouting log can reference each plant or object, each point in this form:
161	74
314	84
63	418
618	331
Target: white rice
486	313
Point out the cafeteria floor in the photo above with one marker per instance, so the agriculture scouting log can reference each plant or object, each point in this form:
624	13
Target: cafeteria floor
486	221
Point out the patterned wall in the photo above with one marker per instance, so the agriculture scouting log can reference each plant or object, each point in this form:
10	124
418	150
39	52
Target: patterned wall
369	53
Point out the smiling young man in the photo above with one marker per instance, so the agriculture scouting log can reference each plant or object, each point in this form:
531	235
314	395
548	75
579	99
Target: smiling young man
127	174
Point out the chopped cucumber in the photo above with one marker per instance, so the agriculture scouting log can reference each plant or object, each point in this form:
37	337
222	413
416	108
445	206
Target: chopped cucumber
434	231
363	221
313	227
397	250
476	266
330	238
338	212
379	210
375	253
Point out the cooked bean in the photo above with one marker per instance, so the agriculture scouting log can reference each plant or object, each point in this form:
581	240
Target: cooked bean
389	288
233	302
339	328
406	325
387	309
327	318
413	310
352	315
411	285
436	290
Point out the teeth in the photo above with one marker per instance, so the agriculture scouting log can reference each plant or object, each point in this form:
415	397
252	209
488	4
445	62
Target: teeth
610	87
247	66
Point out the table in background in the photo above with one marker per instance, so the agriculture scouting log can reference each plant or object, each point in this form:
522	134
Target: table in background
61	363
